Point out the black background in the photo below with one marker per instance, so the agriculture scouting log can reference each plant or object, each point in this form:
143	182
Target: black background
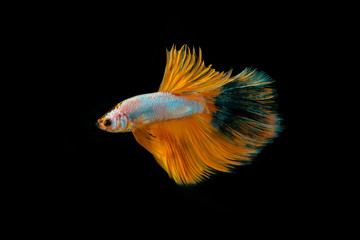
97	58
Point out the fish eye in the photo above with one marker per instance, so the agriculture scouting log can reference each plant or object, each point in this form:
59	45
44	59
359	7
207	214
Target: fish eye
107	123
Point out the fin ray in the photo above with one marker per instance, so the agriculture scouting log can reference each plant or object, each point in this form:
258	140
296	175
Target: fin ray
186	73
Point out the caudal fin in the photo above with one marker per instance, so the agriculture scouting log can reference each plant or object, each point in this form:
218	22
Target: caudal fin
246	110
239	120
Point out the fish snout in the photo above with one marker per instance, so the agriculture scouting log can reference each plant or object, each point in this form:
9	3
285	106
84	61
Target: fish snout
99	123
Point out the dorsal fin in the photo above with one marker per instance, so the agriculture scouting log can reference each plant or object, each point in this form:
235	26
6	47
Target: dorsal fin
185	73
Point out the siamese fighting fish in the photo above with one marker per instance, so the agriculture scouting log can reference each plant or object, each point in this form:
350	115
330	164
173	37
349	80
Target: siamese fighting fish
201	121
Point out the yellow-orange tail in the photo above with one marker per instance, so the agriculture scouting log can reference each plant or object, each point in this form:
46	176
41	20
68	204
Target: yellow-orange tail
239	119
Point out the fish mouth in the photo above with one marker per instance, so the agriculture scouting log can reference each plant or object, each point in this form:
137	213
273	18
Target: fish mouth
97	124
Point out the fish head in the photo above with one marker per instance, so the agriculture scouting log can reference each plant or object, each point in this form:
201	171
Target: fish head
114	121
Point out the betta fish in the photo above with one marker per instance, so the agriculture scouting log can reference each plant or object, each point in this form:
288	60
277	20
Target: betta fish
201	121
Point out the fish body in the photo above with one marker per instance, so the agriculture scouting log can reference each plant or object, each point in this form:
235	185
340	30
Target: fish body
200	121
159	106
150	108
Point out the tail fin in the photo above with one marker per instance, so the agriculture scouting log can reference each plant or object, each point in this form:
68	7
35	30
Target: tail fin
246	109
240	119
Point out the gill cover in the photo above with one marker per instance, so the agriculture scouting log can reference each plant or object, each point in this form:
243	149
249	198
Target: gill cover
123	123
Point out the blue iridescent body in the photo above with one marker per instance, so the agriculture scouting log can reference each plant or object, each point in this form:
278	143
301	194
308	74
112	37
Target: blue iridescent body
153	107
159	106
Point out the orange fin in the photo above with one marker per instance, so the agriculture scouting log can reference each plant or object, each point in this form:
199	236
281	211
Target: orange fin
186	73
191	149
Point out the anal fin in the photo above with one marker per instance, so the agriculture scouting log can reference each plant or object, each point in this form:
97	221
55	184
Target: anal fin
191	149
